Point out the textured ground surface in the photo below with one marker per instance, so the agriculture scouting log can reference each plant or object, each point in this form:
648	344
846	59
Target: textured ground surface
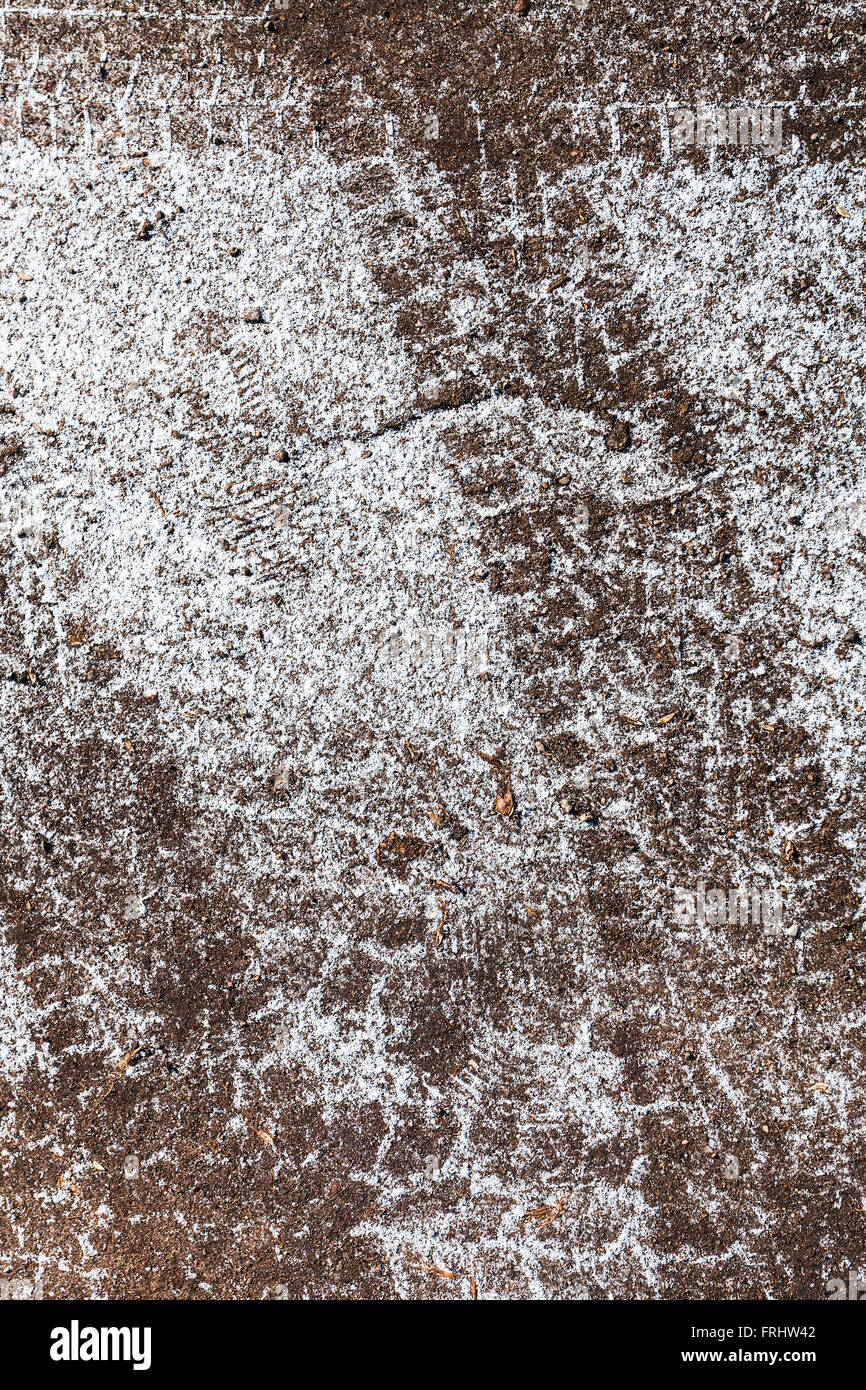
374	673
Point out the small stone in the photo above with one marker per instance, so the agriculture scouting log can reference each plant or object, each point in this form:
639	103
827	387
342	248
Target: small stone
254	315
281	456
133	909
521	7
567	805
234	250
131	1166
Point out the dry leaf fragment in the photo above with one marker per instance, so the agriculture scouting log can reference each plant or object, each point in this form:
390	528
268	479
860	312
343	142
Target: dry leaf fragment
619	438
265	1137
504	803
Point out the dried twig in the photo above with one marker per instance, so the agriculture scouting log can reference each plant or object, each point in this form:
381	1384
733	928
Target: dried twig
415	1262
119	1069
543	1215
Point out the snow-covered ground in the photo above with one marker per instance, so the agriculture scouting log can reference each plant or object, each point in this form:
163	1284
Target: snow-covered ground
416	566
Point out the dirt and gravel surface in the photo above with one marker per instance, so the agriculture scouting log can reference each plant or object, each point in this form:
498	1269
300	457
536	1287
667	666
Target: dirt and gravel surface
433	540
